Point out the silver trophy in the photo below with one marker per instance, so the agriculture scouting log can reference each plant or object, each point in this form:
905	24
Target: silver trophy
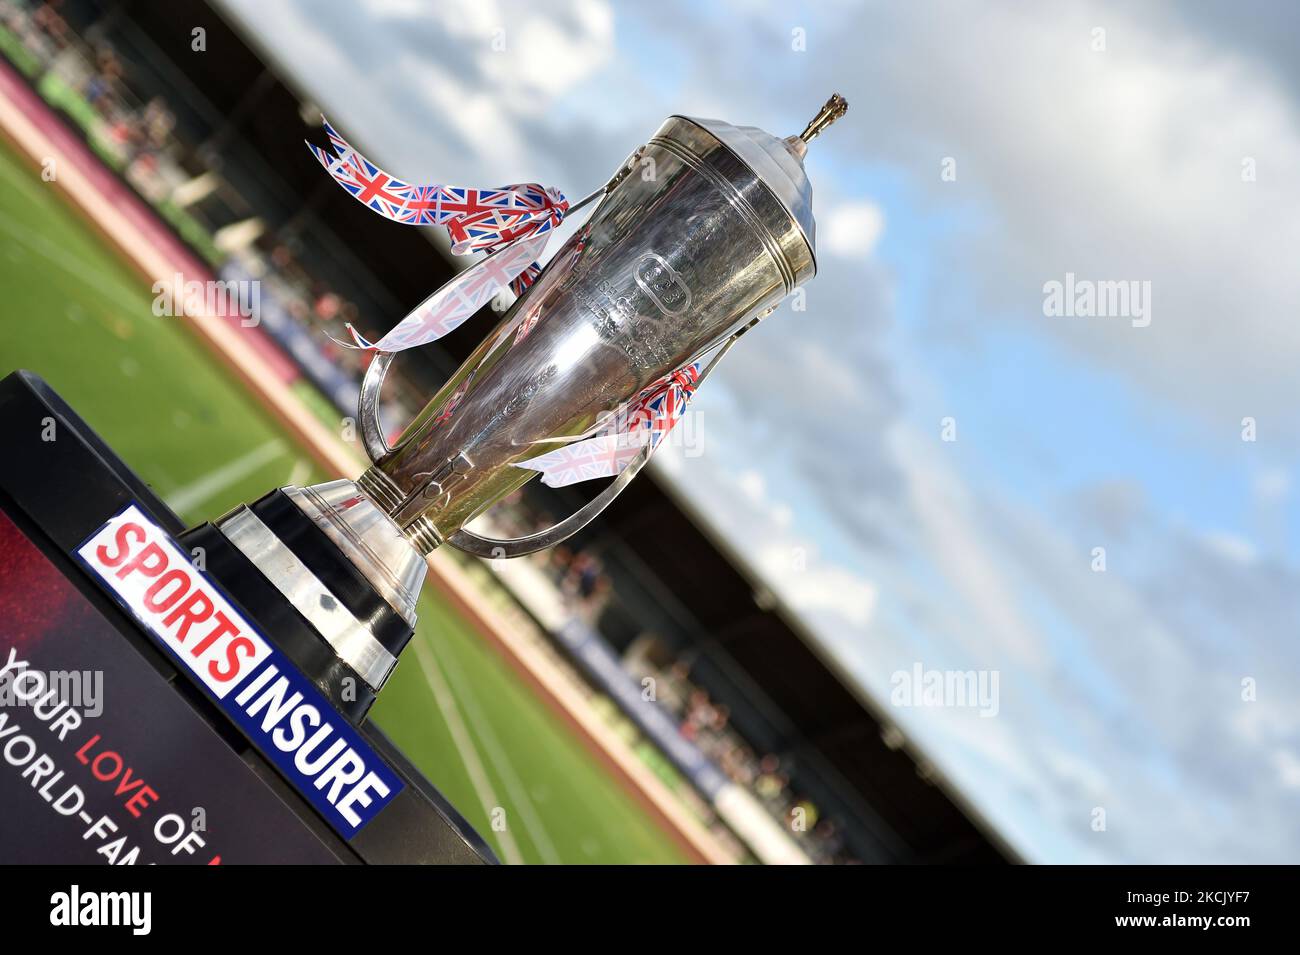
696	238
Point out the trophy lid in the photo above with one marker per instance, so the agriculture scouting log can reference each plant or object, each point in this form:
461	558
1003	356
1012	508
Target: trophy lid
778	163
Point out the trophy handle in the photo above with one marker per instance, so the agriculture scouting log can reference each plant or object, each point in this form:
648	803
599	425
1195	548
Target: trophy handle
372	432
496	547
377	448
499	547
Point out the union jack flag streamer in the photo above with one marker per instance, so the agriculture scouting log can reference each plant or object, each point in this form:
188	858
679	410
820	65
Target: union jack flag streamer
646	420
459	299
601	456
486	220
662	404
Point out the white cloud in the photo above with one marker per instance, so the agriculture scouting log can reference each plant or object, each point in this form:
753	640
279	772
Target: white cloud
1123	164
959	546
812	587
764	528
413	72
1271	485
1287	765
751	484
1231	546
851	229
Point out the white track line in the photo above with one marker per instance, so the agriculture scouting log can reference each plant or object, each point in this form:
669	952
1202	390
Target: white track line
442	695
186	498
533	824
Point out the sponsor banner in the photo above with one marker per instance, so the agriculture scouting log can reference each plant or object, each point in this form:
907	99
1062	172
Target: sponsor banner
280	710
101	760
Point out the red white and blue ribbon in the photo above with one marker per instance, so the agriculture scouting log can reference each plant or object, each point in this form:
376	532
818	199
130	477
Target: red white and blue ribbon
646	421
511	225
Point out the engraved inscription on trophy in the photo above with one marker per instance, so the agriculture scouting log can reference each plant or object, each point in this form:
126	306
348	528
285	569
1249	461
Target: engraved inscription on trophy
611	311
662	284
619	320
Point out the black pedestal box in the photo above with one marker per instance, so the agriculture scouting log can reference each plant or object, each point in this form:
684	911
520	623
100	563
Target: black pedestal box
115	748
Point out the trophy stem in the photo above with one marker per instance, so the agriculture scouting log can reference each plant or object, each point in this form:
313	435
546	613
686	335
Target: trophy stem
336	555
421	532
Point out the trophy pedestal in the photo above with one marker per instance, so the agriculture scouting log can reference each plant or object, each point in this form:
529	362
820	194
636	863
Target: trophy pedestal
163	700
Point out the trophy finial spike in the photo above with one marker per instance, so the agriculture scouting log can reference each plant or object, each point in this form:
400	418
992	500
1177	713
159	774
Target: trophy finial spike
834	108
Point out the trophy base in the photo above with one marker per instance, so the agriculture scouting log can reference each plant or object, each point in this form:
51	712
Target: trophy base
343	565
141	687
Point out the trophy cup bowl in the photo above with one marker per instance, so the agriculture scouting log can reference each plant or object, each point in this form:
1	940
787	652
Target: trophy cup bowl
701	234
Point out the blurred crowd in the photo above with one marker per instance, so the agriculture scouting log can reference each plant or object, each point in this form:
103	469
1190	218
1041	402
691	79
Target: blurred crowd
707	724
133	132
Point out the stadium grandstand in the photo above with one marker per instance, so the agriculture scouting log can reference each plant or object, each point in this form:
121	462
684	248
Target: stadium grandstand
703	675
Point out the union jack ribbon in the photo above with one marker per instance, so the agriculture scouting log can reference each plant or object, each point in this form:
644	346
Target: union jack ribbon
646	420
511	225
661	405
601	456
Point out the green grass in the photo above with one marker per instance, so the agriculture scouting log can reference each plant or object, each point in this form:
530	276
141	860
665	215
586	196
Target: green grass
558	805
74	313
12	47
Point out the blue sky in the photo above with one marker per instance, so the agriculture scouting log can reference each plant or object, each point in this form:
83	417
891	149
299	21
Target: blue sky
1116	155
